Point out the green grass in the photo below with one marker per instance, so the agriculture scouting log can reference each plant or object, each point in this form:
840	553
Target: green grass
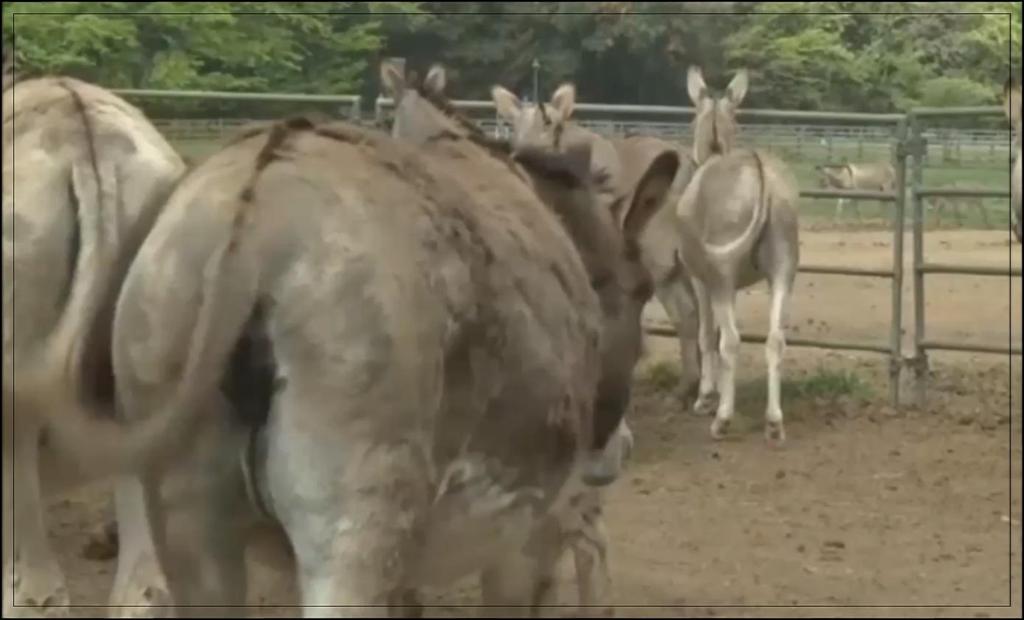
811	394
661	376
197	149
827	384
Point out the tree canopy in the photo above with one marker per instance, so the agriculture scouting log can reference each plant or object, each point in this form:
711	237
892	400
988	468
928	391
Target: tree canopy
809	56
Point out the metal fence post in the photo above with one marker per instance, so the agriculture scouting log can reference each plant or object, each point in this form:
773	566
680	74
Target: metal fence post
898	225
917	147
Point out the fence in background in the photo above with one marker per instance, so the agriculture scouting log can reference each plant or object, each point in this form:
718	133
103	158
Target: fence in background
815	138
916	147
903	136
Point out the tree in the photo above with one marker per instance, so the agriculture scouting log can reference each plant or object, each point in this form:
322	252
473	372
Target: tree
270	46
819	55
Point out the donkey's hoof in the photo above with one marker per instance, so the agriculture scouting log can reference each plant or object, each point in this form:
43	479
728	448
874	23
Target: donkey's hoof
55	604
775	434
35	593
719	428
706	404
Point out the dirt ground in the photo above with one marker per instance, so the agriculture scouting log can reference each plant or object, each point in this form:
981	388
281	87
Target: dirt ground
864	507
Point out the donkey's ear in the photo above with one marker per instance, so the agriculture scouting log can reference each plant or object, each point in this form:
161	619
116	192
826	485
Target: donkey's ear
507	104
436	80
650	193
737	88
564	100
392	80
695	85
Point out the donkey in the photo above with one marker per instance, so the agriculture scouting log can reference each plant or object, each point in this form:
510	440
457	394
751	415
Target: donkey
617	164
737	225
713	254
877	176
85	175
441	347
1011	105
582	528
956	204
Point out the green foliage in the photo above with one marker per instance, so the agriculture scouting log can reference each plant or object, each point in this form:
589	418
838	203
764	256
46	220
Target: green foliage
661	376
202	45
800	60
816	55
826	384
954	91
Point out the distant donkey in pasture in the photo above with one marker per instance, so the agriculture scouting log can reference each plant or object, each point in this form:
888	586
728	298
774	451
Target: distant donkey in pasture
874	176
881	177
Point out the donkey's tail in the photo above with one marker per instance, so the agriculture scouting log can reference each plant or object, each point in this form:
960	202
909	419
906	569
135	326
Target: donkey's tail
744	244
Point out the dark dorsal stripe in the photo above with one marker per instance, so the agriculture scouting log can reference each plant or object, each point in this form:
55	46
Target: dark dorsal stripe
278	134
551	166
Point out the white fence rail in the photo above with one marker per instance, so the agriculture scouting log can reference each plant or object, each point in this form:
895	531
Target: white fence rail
865	134
841	139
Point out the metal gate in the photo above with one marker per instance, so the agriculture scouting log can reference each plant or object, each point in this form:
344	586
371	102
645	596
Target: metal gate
917	147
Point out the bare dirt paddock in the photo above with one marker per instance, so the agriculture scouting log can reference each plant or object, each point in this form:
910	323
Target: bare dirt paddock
864	507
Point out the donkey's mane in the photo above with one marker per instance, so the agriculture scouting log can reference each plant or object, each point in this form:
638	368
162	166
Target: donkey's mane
552	166
501	148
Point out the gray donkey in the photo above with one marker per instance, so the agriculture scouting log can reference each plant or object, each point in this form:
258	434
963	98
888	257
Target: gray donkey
737	225
617	163
580	527
875	176
84	176
1011	104
437	349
